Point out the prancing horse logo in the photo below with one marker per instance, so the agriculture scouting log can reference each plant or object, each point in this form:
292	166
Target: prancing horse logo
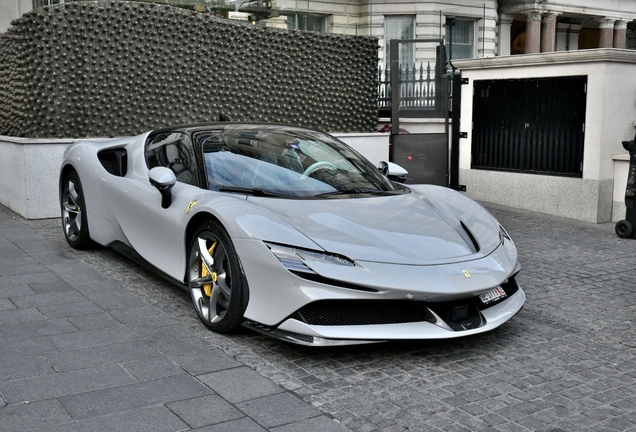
466	273
192	203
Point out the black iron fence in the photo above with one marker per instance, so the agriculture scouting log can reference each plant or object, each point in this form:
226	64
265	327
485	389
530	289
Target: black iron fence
421	92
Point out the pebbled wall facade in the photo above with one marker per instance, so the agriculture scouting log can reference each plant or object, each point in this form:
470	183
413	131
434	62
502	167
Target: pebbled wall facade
90	69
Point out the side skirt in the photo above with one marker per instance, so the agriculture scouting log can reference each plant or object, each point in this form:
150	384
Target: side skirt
132	255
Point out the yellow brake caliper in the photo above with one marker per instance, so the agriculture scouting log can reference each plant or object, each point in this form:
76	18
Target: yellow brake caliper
205	272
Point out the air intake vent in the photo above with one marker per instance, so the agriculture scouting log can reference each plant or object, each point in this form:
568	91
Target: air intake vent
362	312
471	236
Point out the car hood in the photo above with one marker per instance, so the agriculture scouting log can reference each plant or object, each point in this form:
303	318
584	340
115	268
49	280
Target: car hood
417	228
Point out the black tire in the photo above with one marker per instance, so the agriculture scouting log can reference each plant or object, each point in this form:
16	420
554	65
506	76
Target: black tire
624	229
74	221
215	279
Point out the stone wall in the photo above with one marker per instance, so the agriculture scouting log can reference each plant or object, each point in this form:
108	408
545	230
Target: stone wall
120	68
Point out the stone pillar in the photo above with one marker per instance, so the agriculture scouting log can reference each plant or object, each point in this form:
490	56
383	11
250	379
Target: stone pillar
562	37
620	34
533	33
606	38
548	32
573	37
503	39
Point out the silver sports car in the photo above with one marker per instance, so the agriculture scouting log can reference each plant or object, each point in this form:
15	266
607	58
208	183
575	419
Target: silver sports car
292	233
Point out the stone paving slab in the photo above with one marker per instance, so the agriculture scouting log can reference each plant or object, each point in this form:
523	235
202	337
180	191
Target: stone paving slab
197	412
48	386
122	398
44	415
566	362
147	419
239	384
67	360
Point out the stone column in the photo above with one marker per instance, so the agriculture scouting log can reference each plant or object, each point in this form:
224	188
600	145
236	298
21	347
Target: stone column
606	38
620	34
533	33
503	39
548	32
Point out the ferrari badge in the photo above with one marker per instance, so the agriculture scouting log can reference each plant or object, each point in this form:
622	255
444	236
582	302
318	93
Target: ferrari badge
189	207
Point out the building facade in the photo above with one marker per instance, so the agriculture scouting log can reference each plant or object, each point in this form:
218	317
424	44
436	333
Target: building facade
547	26
483	29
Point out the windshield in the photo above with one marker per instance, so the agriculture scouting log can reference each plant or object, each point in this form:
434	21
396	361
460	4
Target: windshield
285	161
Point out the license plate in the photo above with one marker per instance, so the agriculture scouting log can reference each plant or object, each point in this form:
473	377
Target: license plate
492	296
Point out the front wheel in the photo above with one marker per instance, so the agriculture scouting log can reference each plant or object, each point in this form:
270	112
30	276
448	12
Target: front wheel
74	221
215	279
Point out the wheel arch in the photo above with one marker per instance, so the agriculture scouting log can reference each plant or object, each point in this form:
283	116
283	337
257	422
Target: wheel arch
83	239
64	171
193	224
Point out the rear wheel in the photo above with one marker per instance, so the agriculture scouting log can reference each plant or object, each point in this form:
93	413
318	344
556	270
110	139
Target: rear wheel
74	221
215	279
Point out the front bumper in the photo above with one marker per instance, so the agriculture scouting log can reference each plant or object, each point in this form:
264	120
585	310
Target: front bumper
295	331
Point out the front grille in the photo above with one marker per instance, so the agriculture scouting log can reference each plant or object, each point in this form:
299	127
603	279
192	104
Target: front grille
459	315
362	312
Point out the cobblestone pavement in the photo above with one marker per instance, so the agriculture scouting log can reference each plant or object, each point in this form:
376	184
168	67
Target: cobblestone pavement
566	362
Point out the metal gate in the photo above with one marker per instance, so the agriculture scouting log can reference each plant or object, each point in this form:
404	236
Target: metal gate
424	155
530	125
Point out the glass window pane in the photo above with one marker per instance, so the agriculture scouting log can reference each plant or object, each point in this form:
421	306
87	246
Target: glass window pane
463	39
400	27
306	22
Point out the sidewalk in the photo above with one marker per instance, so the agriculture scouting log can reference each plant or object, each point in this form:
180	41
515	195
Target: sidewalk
79	351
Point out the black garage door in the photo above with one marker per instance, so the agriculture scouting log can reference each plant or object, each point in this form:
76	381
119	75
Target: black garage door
530	125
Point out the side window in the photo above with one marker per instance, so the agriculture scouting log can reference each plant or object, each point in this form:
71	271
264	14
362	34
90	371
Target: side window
173	150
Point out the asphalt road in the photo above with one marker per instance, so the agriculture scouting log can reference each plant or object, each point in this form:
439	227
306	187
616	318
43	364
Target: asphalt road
566	362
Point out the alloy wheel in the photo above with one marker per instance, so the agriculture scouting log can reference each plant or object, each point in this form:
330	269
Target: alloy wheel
71	211
210	278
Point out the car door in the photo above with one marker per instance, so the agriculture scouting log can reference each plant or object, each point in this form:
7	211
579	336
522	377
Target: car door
157	234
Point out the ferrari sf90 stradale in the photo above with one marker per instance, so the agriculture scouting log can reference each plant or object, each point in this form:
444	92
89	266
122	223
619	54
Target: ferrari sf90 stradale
292	233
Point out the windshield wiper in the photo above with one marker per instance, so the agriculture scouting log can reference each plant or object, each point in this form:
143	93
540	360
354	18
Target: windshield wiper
258	192
356	191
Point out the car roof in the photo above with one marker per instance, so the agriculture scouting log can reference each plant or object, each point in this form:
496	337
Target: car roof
196	127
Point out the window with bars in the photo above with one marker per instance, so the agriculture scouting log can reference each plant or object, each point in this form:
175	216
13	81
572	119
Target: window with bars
400	27
463	39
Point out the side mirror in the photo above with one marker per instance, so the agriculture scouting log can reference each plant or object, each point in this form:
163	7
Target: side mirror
393	171
163	179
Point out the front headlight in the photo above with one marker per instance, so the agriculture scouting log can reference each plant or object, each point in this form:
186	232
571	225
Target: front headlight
509	246
503	234
295	259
